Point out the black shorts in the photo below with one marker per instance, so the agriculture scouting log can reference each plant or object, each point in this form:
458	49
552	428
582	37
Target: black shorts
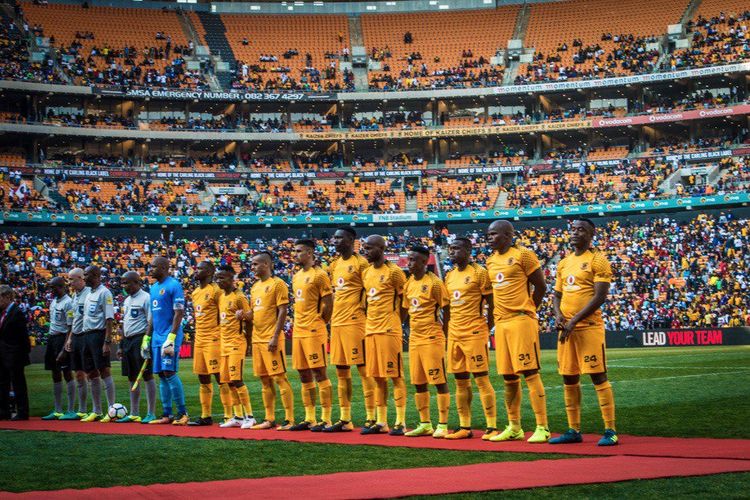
131	357
56	345
94	341
80	361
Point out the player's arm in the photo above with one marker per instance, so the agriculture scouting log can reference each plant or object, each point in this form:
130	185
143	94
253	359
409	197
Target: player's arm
490	301
556	299
601	289
326	297
109	314
281	312
178	308
440	295
121	331
404	309
146	342
446	318
540	287
326	307
67	346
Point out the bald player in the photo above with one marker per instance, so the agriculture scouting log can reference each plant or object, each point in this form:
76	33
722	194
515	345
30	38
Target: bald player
269	301
384	287
469	288
312	311
75	345
136	324
98	322
60	322
518	289
167	311
207	343
348	328
581	288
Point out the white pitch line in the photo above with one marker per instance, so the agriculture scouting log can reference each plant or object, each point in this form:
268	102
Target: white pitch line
645	367
652	379
665	350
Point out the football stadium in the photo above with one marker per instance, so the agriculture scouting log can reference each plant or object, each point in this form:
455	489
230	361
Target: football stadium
374	249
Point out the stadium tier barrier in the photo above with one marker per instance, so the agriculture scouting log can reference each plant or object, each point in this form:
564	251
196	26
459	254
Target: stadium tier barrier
354	135
654	206
296	96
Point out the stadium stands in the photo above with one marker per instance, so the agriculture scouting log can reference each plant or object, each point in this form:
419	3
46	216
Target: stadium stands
15	61
595	38
428	59
117	46
287	52
718	34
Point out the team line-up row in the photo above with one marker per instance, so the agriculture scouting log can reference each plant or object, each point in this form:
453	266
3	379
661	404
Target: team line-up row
365	300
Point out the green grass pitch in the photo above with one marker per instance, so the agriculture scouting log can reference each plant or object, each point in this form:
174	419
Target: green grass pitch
687	392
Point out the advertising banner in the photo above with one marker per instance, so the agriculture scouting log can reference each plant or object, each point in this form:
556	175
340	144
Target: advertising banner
677	116
675	337
696	202
205	95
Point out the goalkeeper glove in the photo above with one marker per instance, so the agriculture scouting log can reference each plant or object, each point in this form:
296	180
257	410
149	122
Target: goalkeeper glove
167	348
146	347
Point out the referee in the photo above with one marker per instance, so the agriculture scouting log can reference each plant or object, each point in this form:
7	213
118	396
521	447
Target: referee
98	319
136	324
75	346
60	321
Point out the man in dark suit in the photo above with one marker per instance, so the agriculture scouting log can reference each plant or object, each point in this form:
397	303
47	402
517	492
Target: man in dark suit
14	355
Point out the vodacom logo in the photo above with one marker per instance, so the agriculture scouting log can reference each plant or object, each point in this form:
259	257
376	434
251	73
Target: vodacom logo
665	118
716	112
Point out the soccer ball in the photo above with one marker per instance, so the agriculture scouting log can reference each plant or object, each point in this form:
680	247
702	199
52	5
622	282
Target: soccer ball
117	411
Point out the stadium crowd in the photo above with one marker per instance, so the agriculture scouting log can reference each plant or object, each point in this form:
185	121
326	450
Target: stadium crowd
668	273
160	62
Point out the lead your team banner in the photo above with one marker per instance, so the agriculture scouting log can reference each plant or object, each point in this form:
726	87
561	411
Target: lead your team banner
667	337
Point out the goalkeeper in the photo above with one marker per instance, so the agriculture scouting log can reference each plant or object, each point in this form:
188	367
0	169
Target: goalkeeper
167	311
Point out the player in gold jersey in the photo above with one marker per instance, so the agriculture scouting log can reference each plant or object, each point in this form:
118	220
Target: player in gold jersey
233	306
469	288
581	288
312	312
514	270
269	299
207	342
384	283
348	328
425	299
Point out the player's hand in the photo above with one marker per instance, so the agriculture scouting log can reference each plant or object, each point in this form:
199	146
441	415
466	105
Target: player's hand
567	330
63	354
167	348
68	346
273	344
119	353
106	350
240	314
146	347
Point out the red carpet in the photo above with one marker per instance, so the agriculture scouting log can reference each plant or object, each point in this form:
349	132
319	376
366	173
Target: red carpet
422	481
630	445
